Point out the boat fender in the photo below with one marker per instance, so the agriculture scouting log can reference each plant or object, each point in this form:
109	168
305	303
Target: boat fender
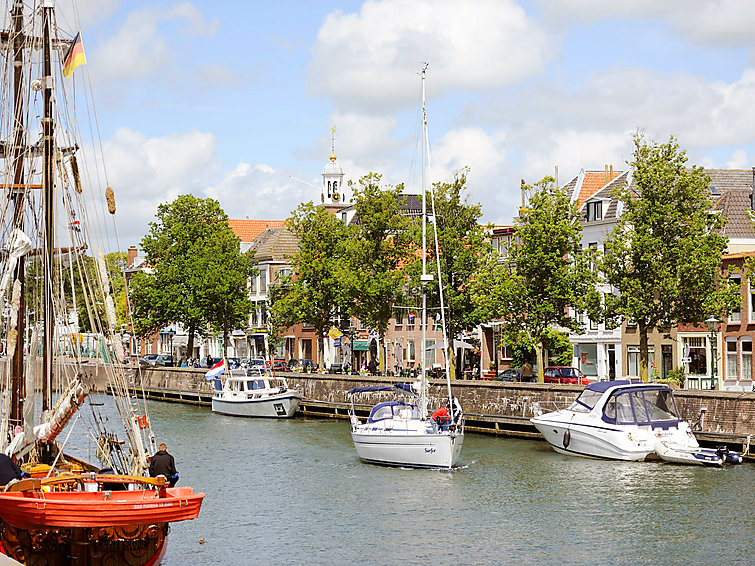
567	438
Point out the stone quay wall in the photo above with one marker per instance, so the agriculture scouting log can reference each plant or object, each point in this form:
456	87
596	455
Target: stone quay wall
489	406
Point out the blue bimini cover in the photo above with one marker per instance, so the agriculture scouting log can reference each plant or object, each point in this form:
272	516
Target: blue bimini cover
603	386
370	388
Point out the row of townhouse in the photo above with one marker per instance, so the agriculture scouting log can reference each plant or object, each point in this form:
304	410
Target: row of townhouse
720	358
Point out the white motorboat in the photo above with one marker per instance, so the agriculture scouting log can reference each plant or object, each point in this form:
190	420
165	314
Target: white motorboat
676	454
397	434
254	392
617	420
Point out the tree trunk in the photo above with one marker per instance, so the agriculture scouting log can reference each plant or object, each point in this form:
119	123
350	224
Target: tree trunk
190	343
321	348
643	351
539	361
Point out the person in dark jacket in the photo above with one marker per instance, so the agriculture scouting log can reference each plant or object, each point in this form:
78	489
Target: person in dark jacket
163	464
8	470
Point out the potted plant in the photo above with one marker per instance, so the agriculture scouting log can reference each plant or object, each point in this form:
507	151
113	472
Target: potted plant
490	374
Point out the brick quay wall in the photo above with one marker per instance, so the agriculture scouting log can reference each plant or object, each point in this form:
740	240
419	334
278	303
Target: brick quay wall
490	406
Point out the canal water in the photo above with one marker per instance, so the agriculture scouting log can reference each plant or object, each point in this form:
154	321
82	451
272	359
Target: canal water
294	492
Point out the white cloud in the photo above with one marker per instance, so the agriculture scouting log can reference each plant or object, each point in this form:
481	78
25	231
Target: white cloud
148	171
714	22
739	160
370	60
140	49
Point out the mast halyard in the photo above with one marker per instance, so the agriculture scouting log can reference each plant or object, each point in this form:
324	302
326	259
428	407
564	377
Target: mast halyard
48	199
425	278
19	203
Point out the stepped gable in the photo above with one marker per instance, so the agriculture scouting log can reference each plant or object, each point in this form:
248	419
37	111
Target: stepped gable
246	230
275	244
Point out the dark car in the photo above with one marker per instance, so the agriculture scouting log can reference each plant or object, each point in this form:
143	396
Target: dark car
164	360
308	366
280	365
511	374
293	363
148	360
565	374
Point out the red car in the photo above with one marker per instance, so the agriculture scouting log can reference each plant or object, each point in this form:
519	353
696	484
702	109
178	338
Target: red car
564	374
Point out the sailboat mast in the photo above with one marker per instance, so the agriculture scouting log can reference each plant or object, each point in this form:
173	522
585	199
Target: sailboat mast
48	199
425	278
18	189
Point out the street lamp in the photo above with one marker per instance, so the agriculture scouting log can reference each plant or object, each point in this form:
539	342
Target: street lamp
713	325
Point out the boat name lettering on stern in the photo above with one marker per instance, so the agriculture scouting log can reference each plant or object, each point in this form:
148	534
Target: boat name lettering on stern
153	505
429	450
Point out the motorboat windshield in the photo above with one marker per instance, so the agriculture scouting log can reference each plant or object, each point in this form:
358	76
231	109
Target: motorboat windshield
642	406
393	409
591	395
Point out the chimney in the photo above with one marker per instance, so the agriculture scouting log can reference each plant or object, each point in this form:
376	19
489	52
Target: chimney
525	204
607	177
556	172
611	179
131	255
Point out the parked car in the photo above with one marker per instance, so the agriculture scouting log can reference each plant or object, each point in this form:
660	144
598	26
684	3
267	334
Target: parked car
511	374
164	360
280	365
148	360
564	374
293	363
256	363
308	366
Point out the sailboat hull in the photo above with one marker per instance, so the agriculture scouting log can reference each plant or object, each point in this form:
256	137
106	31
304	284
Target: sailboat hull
413	450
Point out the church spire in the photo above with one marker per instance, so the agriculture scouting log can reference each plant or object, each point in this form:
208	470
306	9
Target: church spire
332	178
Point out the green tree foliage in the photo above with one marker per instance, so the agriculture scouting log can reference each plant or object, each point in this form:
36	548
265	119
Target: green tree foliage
663	257
198	275
376	253
464	250
545	275
312	294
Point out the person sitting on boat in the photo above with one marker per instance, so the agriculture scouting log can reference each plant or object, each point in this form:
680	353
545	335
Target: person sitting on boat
9	470
163	464
441	417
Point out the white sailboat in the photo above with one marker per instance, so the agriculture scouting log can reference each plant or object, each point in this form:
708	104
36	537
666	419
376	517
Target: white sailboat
400	432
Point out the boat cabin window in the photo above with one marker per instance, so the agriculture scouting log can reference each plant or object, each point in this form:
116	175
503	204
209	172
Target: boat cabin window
387	410
586	401
255	384
640	407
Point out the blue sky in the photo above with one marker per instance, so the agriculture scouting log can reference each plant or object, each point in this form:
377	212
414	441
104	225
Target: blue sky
232	99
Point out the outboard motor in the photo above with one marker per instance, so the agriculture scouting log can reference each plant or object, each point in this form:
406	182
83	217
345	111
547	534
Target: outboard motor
727	456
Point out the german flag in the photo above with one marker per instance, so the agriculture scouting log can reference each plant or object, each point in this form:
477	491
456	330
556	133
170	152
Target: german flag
74	57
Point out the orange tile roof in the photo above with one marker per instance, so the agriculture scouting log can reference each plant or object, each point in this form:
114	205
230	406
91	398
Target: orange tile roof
247	230
593	182
738	255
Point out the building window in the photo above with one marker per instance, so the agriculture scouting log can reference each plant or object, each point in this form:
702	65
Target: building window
343	217
263	280
283	272
735	316
399	316
698	359
429	353
595	210
410	351
731	359
593	324
593	247
746	359
253	286
633	361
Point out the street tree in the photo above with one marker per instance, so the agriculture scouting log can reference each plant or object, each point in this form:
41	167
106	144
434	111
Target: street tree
311	294
197	275
376	253
663	257
547	278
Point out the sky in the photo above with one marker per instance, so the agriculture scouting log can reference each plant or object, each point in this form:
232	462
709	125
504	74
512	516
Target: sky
235	100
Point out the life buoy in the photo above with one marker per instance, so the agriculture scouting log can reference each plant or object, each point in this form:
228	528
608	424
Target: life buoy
567	438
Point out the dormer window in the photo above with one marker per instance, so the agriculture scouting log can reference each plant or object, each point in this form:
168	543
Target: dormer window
595	210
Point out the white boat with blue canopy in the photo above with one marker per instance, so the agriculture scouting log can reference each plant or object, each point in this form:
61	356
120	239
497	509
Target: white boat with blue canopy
617	420
397	434
254	392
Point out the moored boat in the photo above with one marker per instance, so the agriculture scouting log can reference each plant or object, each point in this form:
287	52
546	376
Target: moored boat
255	392
52	214
677	454
617	420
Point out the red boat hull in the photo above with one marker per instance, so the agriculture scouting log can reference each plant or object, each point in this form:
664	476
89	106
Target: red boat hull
40	509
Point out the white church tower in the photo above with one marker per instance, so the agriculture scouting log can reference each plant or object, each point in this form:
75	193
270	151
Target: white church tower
333	195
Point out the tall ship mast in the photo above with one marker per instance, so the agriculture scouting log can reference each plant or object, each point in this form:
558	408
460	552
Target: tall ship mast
56	281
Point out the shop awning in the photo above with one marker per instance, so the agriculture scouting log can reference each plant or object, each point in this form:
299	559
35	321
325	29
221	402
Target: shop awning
363	345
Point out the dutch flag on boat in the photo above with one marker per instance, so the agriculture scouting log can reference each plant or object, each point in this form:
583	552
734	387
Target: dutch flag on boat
214	371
